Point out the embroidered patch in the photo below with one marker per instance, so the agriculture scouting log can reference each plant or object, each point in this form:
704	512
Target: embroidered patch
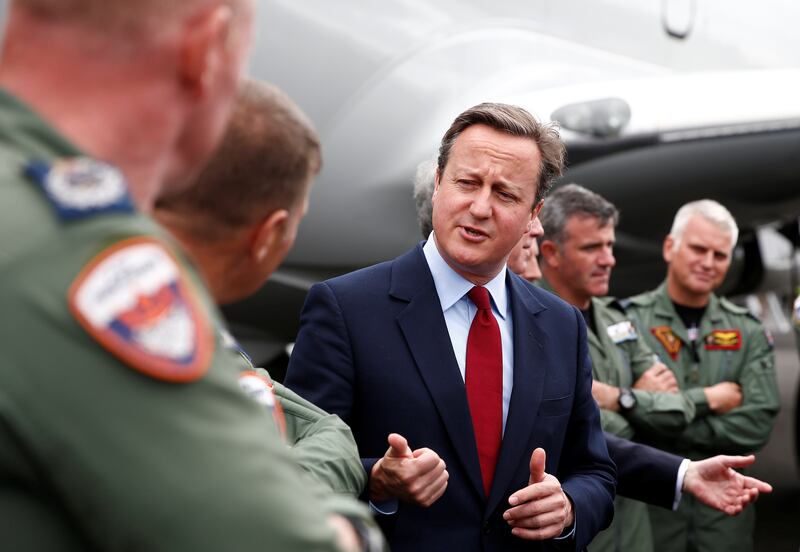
622	332
133	299
724	340
668	339
80	186
258	387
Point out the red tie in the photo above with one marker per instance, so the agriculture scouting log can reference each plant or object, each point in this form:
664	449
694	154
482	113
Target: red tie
484	378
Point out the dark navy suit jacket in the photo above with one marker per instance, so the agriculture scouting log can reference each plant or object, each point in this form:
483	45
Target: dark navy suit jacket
644	473
373	348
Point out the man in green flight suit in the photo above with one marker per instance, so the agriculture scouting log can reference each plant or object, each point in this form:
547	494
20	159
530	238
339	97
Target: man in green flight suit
723	362
237	221
122	423
634	391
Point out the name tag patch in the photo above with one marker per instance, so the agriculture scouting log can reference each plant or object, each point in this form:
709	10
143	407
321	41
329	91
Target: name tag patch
671	343
621	332
134	300
724	340
80	186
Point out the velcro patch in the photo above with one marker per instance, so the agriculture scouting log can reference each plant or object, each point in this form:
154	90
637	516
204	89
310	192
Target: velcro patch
622	332
724	340
672	344
80	186
135	301
258	387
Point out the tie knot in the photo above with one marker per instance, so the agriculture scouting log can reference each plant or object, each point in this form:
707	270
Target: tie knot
480	296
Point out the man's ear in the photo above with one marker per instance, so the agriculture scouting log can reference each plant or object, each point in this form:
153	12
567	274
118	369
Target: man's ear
549	253
536	210
268	233
202	49
667	250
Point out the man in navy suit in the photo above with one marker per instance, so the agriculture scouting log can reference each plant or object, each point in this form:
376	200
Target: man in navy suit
386	349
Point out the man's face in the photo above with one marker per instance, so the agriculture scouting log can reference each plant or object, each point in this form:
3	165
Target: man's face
585	259
523	259
702	258
483	199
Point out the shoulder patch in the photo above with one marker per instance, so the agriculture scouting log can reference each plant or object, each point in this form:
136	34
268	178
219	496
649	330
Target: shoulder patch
724	340
258	387
79	187
672	344
622	332
135	301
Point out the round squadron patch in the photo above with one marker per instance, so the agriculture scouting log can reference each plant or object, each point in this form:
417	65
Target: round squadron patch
258	387
80	186
134	300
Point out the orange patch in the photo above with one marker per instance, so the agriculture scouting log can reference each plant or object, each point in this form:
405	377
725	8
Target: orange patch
723	340
134	299
668	339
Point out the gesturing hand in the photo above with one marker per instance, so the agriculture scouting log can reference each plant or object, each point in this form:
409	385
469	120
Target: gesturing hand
541	510
418	476
715	483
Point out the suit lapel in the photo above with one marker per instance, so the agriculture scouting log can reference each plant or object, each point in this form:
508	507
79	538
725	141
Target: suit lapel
530	341
423	326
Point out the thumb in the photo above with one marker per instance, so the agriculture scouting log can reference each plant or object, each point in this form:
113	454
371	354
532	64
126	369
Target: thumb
738	461
538	459
398	447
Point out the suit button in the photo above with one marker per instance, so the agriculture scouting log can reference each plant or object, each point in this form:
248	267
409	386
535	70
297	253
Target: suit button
487	528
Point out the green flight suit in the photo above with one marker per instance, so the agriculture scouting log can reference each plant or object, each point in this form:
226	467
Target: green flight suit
98	455
321	443
731	345
618	359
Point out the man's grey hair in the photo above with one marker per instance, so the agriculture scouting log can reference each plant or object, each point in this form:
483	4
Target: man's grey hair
713	211
424	183
515	121
573	200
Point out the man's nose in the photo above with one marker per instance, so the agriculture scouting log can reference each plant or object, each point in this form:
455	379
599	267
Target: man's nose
607	258
481	206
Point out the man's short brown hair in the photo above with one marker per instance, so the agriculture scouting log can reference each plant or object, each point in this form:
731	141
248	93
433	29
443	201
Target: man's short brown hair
268	155
518	122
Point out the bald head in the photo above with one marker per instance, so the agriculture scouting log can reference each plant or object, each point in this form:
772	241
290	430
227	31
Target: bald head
117	16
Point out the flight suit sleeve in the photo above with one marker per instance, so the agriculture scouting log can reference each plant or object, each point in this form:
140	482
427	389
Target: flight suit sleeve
616	424
321	443
664	413
661	413
747	428
137	462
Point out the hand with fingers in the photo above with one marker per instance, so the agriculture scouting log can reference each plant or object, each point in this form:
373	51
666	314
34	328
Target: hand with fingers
418	476
657	379
724	396
541	510
715	483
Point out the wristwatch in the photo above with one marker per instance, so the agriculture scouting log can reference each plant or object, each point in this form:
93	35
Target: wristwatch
627	400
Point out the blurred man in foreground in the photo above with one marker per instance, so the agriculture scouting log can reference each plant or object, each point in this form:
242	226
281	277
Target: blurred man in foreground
237	221
123	426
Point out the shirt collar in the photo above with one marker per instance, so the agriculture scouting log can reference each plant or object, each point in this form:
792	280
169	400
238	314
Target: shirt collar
451	286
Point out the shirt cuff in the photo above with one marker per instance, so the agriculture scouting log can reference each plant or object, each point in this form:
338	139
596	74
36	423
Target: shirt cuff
385	508
679	483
